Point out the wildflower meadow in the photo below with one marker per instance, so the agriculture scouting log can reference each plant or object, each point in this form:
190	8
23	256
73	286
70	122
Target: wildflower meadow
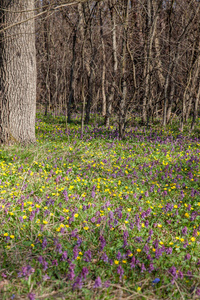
96	217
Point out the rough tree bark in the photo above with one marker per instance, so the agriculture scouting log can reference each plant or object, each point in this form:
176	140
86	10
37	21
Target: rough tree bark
122	101
110	98
17	72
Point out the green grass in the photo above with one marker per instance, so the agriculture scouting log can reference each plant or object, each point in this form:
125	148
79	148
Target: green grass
75	210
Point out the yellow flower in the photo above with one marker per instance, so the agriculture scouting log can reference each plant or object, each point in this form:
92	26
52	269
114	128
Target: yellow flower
131	254
139	250
139	289
116	262
32	245
187	215
86	228
159	225
6	234
124	261
12	236
175	206
45	222
76	215
193	239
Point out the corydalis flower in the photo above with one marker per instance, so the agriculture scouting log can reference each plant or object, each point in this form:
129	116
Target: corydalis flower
184	230
26	272
87	256
31	296
71	271
97	283
78	283
84	272
103	242
120	271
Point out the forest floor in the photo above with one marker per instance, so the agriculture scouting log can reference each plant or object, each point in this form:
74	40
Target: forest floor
99	218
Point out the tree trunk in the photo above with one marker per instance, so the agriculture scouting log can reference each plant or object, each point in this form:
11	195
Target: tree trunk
103	67
122	102
195	113
71	85
17	72
114	63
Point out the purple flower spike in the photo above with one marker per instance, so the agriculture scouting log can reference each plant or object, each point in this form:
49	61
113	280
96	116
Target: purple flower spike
31	296
97	283
120	271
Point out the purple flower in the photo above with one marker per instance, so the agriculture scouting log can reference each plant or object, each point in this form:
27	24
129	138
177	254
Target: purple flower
26	272
40	259
75	252
133	262
59	248
104	257
184	230
31	296
92	220
198	292
87	256
168	250
107	284
151	267
173	272
158	253
64	256
143	268
118	255
120	271
187	256
180	275
71	272
84	272
45	265
97	283
103	242
146	249
44	243
55	262
78	283
45	277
